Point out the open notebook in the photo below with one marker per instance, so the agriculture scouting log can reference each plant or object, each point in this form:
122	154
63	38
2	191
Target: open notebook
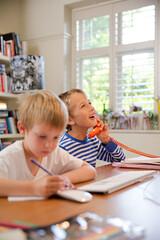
117	182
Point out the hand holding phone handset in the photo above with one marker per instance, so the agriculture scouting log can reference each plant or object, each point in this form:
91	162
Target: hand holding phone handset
98	129
95	131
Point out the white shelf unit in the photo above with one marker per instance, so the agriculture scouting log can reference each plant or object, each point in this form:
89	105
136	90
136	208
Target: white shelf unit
10	99
4	59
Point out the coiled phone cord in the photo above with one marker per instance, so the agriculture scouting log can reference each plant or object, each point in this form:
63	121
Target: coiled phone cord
131	149
98	129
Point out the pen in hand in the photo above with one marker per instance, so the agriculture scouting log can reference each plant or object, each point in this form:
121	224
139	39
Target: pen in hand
45	169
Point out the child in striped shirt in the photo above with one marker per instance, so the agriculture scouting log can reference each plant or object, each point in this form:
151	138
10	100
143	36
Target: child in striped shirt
82	116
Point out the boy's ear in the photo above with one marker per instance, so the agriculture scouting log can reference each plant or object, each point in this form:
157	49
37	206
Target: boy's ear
21	128
70	121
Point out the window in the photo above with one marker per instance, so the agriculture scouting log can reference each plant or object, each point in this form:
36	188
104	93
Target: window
114	54
95	74
90	33
135	80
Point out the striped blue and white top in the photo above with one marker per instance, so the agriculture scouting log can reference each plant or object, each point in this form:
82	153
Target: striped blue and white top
92	149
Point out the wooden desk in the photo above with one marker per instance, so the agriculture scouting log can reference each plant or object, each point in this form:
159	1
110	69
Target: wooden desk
128	204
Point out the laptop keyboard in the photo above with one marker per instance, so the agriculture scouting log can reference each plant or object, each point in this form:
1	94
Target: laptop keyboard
114	183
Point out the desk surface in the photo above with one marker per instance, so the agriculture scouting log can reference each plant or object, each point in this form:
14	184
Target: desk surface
128	204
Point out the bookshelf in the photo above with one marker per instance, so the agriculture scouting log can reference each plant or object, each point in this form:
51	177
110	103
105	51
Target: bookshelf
5	60
11	100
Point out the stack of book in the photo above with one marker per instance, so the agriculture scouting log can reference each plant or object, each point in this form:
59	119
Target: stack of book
11	45
8	119
4	144
3	116
5	80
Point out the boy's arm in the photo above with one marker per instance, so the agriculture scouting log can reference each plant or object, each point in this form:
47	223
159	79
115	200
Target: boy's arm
45	187
10	187
112	152
85	173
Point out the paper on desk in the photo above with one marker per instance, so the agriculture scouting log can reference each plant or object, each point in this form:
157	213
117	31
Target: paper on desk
143	160
154	166
19	199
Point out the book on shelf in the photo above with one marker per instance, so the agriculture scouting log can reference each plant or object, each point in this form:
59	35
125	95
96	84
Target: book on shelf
12	125
3	109
2	68
3	126
18	44
3	105
11	45
8	120
5	80
10	48
13	118
4	144
11	36
1	45
3	113
2	77
8	125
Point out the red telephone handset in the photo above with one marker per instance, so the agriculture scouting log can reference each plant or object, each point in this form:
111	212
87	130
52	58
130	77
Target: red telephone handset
95	131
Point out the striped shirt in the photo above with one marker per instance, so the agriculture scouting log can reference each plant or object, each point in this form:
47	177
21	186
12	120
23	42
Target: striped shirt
91	149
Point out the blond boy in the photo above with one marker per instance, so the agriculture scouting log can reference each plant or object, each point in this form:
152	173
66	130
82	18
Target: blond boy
42	118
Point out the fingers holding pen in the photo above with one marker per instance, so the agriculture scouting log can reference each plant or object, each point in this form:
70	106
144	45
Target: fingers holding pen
68	184
49	185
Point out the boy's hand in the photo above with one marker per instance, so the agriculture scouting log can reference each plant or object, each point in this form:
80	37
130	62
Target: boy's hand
104	133
68	184
49	185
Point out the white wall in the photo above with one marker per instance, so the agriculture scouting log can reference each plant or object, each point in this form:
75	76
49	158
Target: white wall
10	16
44	31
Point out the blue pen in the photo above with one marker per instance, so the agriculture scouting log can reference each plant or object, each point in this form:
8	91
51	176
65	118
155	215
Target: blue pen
45	169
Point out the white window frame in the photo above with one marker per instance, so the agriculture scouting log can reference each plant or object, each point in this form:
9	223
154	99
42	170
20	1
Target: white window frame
113	7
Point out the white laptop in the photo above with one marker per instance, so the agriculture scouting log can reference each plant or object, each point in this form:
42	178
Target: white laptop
114	183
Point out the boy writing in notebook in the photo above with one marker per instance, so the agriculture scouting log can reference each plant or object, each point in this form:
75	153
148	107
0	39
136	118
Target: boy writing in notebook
42	118
82	116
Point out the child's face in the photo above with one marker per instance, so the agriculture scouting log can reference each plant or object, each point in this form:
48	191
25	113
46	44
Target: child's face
41	140
81	111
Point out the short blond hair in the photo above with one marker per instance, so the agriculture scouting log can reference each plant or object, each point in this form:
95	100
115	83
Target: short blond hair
42	107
